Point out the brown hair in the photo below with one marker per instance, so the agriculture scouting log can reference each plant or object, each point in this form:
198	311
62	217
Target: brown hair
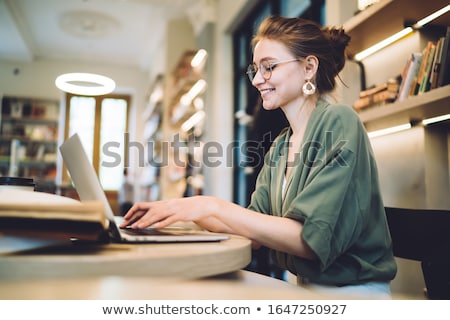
303	38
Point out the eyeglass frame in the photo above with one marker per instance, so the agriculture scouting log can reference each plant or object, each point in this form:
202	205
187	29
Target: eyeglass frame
252	73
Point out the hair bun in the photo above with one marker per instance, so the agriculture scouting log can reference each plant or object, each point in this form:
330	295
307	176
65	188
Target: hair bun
339	40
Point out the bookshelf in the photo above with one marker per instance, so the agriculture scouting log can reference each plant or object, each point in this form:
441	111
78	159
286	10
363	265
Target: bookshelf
28	141
183	120
413	165
387	17
379	22
153	136
414	109
423	179
184	78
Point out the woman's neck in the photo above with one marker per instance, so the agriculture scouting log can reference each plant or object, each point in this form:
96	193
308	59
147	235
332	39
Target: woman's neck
298	113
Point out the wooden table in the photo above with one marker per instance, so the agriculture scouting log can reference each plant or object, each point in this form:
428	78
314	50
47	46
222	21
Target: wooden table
238	285
170	271
179	260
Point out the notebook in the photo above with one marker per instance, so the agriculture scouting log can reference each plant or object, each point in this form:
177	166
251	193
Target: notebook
89	188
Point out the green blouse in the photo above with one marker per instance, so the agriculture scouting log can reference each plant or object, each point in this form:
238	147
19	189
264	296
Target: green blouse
334	192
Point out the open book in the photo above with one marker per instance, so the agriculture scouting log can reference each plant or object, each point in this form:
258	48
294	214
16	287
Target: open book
44	215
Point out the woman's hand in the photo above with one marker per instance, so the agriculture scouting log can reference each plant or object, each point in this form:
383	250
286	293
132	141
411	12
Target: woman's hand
214	214
160	214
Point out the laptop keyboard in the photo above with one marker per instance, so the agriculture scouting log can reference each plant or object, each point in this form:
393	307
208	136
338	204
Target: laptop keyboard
156	232
146	232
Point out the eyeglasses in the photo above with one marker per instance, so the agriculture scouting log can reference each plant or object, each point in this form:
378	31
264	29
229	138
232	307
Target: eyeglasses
265	68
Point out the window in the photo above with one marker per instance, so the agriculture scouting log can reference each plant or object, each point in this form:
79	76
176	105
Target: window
100	121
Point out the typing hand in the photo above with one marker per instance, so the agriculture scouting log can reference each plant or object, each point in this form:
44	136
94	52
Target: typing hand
133	215
160	214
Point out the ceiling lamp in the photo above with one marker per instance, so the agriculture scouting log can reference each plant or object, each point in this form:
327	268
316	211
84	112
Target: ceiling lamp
87	84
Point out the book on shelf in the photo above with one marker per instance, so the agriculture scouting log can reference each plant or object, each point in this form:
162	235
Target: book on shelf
391	85
409	75
444	71
427	70
423	86
382	97
422	69
376	95
436	67
49	216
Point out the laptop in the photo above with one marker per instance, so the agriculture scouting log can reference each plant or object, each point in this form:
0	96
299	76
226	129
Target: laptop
89	188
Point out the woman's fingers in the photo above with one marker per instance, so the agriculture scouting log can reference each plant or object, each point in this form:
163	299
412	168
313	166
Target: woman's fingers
132	218
136	212
160	214
154	213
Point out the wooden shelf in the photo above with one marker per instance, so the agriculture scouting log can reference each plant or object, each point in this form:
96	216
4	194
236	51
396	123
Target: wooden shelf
155	98
29	126
388	17
413	165
184	78
31	120
416	108
22	139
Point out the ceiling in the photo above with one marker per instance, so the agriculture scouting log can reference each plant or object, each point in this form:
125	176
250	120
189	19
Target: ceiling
119	32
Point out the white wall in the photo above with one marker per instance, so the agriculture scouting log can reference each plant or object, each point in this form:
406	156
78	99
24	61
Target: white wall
220	116
339	11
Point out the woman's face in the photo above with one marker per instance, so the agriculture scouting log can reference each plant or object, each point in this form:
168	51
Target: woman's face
284	87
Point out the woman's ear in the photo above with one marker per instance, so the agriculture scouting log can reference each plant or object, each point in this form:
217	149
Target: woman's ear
311	65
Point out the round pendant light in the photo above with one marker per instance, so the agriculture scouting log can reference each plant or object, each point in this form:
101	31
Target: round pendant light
87	84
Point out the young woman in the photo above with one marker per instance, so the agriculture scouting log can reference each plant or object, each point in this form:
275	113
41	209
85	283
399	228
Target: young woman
317	202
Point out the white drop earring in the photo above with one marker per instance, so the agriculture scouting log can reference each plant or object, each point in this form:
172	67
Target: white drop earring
309	88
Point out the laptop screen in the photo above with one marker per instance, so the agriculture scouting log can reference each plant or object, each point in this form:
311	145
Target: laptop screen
83	174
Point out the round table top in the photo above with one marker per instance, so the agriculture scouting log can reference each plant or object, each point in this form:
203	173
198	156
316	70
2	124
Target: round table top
181	260
238	285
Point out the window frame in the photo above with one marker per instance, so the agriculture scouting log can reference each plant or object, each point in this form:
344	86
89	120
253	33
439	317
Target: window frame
97	127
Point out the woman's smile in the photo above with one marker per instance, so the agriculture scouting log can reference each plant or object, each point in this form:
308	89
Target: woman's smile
266	91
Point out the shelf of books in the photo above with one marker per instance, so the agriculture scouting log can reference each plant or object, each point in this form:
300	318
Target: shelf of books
184	119
431	104
28	141
421	90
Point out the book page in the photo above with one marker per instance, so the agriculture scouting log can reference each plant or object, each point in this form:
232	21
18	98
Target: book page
15	203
